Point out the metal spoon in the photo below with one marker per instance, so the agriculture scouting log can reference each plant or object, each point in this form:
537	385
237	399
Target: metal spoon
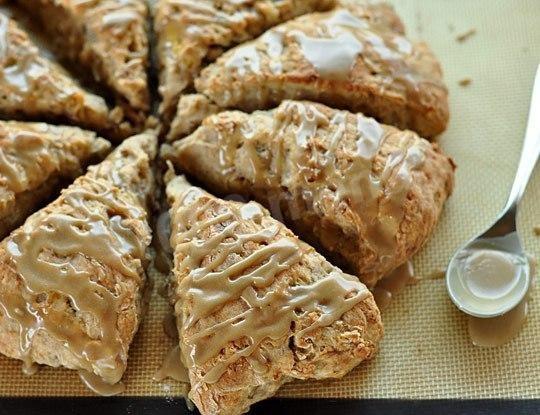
502	236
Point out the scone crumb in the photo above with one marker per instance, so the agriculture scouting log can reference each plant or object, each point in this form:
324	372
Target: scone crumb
465	35
536	230
437	274
465	82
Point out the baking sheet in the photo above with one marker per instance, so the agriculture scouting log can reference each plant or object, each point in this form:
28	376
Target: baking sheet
426	352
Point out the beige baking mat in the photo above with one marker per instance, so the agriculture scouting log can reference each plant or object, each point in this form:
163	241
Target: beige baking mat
426	352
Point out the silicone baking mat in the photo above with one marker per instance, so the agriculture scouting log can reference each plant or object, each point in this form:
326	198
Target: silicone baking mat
426	352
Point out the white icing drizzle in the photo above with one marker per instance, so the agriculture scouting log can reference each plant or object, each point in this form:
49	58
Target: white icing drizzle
4	21
371	132
310	120
403	45
345	19
120	17
332	48
204	13
380	46
273	40
245	58
331	57
309	143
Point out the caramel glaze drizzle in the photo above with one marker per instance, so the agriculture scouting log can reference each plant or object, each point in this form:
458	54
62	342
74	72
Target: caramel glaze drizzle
60	252
321	162
173	367
29	153
20	60
210	253
27	150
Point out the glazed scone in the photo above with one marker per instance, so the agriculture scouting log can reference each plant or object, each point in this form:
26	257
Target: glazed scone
72	277
32	87
192	109
343	58
109	37
35	159
368	193
379	14
192	32
255	306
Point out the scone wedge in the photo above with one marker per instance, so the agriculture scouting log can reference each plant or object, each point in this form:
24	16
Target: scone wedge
347	58
33	87
35	160
193	32
72	277
255	306
368	193
109	38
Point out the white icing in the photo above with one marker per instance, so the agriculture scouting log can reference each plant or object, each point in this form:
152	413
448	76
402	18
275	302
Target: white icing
380	47
4	21
403	45
343	18
245	58
15	76
331	57
371	133
310	119
274	48
119	17
251	211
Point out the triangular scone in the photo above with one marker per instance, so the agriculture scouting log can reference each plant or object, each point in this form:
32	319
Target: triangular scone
255	306
340	58
368	193
35	159
72	277
192	32
33	87
107	36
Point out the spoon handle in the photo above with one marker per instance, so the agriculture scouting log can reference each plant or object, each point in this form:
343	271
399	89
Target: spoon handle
531	148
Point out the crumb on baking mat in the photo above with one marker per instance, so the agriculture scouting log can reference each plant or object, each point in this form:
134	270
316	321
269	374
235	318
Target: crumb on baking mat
465	82
462	37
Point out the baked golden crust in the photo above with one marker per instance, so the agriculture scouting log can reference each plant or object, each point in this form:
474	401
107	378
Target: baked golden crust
72	277
255	306
107	36
192	109
346	58
368	193
379	14
33	87
34	159
192	32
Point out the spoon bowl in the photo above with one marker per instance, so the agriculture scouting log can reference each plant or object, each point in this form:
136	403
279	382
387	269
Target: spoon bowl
490	274
466	299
